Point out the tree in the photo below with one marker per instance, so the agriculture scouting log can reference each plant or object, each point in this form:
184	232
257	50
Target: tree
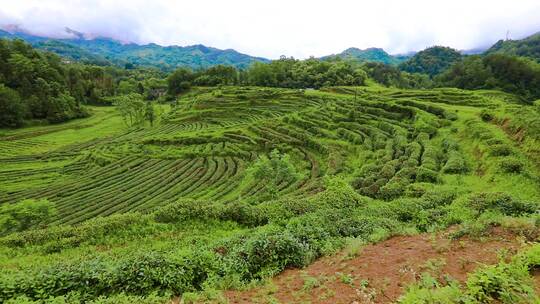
179	81
127	86
11	108
495	71
131	107
61	108
150	113
25	214
431	61
140	88
272	171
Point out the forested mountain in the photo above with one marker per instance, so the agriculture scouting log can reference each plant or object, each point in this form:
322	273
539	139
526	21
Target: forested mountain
528	47
431	61
104	51
39	85
367	55
511	74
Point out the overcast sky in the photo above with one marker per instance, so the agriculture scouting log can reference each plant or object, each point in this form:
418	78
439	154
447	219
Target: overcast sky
272	28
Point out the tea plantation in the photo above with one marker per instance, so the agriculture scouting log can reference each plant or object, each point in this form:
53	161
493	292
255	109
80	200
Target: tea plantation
235	184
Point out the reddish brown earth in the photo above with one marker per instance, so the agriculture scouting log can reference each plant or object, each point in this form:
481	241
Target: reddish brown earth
387	268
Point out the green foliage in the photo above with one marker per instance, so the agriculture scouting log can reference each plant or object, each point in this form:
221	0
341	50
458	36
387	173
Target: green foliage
188	203
511	165
527	47
429	291
272	171
393	77
179	81
139	274
12	110
24	215
431	61
367	55
33	85
310	73
57	238
496	71
134	110
501	202
506	282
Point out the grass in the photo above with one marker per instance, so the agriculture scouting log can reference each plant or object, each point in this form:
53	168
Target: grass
384	163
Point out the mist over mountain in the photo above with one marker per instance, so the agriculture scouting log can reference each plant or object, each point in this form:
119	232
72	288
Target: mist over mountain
94	49
107	51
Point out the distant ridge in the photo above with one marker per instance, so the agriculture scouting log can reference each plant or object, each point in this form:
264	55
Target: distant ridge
367	55
527	47
107	51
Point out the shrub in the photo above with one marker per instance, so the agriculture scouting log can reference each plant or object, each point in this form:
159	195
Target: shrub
455	163
185	210
493	141
511	165
500	150
429	291
501	202
284	209
137	274
504	283
57	238
393	189
24	215
243	213
272	171
264	253
426	175
486	115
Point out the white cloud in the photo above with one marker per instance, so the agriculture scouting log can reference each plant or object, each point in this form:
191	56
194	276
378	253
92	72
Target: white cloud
284	27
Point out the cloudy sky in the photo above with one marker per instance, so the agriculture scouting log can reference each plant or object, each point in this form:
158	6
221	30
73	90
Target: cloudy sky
298	28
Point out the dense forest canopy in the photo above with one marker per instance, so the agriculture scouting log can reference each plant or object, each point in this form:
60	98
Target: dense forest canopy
512	74
37	85
105	51
367	55
431	61
528	47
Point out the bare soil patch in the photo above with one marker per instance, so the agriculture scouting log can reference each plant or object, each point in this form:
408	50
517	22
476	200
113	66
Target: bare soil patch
379	273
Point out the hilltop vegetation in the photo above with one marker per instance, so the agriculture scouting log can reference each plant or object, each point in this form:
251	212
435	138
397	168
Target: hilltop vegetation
105	51
527	47
431	61
37	86
367	55
511	74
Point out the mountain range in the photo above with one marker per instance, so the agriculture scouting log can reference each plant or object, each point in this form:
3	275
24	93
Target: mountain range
86	48
107	51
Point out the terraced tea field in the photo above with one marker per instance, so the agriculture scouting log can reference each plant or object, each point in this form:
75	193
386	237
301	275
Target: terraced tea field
425	150
201	151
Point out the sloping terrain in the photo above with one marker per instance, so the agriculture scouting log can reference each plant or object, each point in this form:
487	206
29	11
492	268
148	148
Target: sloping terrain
106	51
189	207
380	273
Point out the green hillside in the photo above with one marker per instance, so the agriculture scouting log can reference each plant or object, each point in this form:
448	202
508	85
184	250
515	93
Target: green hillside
103	51
367	55
527	47
431	61
235	184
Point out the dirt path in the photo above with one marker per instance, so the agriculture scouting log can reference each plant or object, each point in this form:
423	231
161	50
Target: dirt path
384	269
